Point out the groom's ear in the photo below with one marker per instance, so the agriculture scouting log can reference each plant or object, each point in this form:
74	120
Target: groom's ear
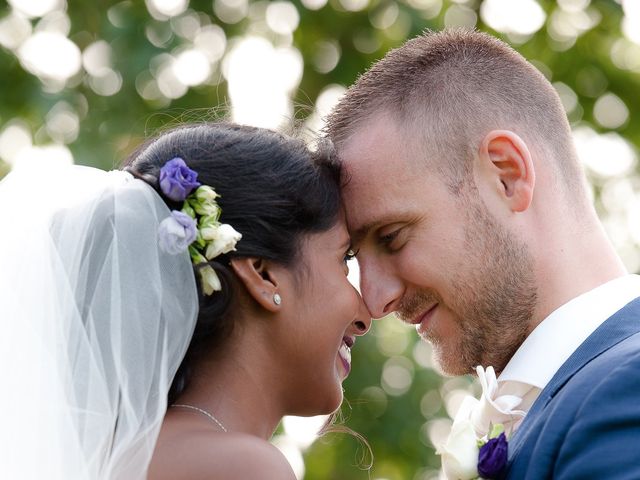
259	278
507	162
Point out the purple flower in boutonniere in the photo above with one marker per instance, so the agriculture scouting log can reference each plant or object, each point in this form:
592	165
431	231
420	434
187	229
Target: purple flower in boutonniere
493	457
465	457
177	180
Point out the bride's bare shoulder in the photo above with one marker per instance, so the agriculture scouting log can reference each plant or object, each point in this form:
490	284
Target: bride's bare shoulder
203	455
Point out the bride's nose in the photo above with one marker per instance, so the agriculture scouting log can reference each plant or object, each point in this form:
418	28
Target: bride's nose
362	322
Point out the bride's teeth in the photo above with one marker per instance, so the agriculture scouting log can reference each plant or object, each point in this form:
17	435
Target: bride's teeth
345	352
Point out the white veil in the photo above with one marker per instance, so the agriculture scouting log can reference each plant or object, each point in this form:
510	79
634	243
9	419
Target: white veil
94	322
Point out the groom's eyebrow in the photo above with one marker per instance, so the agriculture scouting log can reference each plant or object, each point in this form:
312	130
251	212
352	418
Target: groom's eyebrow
387	218
362	232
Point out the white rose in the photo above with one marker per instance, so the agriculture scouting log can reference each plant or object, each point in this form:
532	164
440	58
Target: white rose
224	240
206	208
460	452
210	280
209	233
206	194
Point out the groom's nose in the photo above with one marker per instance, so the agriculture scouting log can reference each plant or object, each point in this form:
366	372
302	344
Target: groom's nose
381	288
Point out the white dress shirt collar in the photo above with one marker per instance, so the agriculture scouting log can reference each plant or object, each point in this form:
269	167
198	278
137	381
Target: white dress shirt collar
560	334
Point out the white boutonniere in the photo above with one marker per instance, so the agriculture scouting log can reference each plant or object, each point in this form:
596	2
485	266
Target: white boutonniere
465	457
476	448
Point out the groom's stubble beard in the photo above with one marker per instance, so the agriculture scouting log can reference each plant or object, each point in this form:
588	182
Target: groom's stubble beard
492	297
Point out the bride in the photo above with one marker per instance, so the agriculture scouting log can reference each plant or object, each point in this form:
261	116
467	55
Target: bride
159	321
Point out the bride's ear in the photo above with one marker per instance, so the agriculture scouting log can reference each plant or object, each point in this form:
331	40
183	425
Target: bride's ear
258	277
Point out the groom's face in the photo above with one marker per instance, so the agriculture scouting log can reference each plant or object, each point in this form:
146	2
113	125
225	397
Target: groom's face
438	258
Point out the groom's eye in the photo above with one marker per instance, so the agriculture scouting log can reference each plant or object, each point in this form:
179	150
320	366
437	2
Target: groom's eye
388	240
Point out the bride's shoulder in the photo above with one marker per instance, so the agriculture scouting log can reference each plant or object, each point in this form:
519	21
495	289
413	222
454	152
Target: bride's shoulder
215	456
252	457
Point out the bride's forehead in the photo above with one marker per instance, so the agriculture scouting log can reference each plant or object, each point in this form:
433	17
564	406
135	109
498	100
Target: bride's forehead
336	237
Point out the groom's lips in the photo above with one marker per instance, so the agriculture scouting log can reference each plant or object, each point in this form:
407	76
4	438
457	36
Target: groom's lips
422	321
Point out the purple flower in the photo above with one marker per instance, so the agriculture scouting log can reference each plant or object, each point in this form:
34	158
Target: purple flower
177	180
176	232
493	457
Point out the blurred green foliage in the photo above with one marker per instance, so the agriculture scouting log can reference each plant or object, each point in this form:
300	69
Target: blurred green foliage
396	401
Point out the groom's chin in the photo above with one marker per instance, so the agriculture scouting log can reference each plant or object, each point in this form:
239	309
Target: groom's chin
448	362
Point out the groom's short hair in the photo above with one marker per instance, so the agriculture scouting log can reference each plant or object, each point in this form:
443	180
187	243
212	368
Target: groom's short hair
448	89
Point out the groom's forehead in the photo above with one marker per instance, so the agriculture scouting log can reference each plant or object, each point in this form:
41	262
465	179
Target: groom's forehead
376	158
381	146
373	195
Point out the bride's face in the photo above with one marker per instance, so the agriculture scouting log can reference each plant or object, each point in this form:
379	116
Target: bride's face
324	314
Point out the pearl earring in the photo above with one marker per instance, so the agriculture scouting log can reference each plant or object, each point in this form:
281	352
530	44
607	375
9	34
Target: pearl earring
277	299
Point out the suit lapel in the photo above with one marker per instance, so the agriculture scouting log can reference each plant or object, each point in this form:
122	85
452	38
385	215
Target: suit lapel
615	329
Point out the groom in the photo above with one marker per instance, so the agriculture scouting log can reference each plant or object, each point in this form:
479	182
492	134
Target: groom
469	209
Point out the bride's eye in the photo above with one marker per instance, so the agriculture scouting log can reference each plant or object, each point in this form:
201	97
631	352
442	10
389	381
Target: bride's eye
350	255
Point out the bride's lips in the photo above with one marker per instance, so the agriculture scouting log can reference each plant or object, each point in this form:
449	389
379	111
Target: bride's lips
344	352
422	321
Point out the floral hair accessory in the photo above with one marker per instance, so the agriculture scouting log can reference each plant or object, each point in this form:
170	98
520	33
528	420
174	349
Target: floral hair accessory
177	232
177	180
196	226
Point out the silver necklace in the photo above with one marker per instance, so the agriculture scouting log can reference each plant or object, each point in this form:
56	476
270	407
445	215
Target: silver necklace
204	412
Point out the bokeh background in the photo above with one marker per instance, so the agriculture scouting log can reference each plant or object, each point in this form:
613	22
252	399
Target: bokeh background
86	81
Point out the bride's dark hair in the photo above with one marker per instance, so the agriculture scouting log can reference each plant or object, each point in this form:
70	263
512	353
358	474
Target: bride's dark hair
273	190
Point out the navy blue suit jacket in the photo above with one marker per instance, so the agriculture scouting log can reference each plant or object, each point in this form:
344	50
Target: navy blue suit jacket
586	422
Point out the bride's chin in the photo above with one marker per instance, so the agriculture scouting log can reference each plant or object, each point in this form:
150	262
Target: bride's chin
318	398
327	397
332	399
333	405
